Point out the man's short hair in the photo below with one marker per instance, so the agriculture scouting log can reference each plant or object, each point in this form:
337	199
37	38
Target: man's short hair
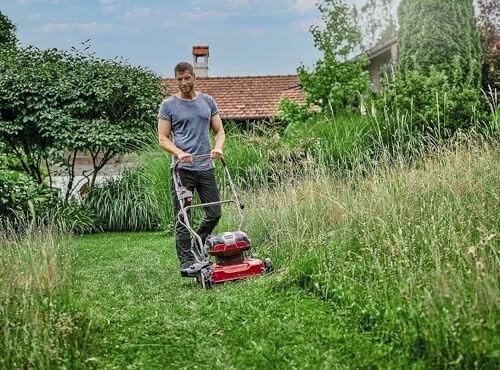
182	67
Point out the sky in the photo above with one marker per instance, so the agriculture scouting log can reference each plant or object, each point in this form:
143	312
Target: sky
245	37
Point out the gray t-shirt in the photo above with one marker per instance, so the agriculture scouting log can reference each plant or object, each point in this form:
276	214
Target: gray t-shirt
191	127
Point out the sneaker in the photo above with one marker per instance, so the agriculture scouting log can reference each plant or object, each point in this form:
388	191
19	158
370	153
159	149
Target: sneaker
185	268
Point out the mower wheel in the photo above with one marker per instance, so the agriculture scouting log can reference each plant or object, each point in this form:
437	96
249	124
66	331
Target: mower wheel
268	265
206	282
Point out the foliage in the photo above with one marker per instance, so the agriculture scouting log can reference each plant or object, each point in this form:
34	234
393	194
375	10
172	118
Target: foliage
28	84
125	203
434	102
439	72
489	19
25	204
21	196
377	20
339	142
7	32
55	104
335	83
442	35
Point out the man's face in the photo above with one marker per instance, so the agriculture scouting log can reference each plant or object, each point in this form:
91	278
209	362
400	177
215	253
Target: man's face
185	81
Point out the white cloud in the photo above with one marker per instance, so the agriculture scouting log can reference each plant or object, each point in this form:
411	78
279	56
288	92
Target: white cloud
90	27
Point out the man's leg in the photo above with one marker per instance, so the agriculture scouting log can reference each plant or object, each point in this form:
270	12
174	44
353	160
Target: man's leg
208	192
182	236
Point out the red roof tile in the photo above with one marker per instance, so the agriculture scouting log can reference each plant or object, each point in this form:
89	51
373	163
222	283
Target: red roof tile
250	97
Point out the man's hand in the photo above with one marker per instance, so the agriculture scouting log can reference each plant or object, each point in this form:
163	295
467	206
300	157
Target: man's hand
185	157
216	154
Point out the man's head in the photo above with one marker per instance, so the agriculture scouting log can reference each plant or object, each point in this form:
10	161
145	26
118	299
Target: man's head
184	75
183	67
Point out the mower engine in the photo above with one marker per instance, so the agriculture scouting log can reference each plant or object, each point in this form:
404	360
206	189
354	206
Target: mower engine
231	260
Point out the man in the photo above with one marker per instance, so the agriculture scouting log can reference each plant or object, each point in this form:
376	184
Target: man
184	123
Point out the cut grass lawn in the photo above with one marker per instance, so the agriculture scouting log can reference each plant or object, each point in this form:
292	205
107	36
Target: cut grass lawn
144	315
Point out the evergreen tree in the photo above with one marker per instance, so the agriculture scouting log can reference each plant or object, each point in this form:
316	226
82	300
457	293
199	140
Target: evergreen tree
440	34
7	31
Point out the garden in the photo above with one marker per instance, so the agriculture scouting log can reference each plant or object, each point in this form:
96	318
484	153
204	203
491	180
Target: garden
379	211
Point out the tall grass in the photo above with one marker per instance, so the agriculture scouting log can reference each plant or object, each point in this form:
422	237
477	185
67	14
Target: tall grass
125	203
406	253
42	323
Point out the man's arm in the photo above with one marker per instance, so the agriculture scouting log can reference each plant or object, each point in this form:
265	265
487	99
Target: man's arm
220	136
164	131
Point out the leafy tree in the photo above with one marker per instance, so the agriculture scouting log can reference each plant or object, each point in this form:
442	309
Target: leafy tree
336	81
377	20
440	34
7	31
55	104
28	86
489	20
439	64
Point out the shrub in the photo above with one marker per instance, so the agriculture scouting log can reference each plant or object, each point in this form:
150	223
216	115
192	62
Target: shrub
439	78
24	203
434	102
124	203
21	196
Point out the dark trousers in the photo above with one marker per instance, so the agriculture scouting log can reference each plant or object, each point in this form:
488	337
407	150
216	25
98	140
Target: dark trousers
205	184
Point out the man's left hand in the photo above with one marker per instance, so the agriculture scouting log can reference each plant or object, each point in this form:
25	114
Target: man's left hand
216	154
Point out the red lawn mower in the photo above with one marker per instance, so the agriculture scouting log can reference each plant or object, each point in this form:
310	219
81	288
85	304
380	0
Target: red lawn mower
223	257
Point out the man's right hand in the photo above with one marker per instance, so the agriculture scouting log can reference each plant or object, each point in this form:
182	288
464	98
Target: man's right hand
185	157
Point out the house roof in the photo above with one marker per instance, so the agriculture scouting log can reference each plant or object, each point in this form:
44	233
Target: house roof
382	48
248	97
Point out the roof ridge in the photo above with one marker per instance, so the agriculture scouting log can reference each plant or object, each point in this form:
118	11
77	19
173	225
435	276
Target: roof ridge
227	77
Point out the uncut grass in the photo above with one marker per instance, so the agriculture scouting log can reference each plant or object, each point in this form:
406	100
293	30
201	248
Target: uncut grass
42	324
406	254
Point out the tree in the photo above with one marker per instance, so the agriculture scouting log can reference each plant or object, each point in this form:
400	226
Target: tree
441	34
488	21
55	104
7	31
377	20
338	79
439	74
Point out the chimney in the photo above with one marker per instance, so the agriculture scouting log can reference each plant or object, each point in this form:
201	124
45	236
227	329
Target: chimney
200	66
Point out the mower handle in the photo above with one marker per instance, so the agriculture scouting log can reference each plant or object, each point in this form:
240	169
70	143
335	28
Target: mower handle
198	157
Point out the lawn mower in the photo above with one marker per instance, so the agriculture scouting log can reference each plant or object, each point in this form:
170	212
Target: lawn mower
222	257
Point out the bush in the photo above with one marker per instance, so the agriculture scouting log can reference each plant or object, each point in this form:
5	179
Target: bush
434	102
24	203
21	196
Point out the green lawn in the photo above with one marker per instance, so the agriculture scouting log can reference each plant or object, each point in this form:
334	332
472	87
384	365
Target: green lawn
144	315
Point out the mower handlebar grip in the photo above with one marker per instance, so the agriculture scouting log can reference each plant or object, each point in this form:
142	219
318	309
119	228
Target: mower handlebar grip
198	157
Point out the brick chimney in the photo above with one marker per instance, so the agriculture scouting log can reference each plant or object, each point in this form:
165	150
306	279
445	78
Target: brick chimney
200	61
